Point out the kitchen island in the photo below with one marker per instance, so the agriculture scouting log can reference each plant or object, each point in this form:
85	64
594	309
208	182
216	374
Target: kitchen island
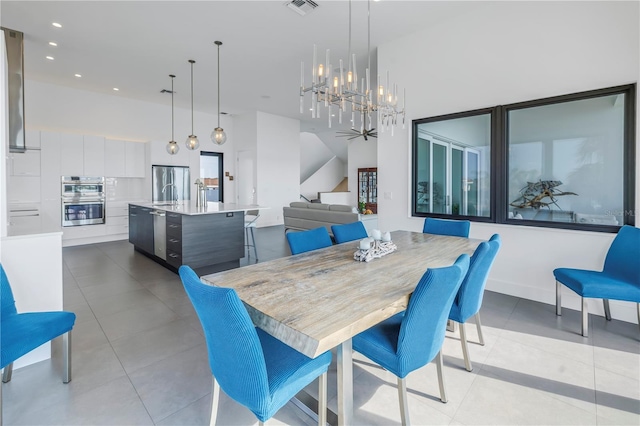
209	239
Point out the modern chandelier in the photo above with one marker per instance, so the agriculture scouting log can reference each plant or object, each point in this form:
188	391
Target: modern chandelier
218	135
172	146
338	90
192	142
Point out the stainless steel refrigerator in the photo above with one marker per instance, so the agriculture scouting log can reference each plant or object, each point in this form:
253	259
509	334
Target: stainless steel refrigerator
170	183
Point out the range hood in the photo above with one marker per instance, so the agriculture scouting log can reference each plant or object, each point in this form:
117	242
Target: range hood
14	83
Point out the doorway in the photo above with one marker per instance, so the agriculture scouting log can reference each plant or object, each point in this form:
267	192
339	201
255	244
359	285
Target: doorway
211	165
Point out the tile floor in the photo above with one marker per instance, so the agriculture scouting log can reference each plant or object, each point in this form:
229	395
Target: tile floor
139	357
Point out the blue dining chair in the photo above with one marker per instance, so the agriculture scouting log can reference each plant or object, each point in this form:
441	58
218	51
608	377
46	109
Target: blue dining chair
348	232
469	298
619	279
22	333
252	367
411	339
454	228
304	241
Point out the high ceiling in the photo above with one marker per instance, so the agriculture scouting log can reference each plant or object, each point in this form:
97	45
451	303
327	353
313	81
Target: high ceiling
135	45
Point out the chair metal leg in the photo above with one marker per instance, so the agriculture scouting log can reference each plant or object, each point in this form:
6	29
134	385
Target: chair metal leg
443	393
322	399
6	373
558	298
253	241
479	327
66	357
0	404
465	349
607	311
585	318
215	398
402	398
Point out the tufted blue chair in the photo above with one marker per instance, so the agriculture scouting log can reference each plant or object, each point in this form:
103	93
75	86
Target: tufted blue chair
469	299
252	367
454	228
304	241
411	339
22	333
619	280
348	232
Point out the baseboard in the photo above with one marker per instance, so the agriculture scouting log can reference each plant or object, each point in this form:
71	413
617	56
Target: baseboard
92	240
623	311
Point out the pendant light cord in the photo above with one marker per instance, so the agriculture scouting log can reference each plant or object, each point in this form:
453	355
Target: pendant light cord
192	96
369	35
172	77
350	65
219	43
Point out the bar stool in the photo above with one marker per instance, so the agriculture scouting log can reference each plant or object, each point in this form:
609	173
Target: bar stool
250	218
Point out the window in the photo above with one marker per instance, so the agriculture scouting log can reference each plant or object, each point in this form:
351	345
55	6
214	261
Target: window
566	162
211	173
452	163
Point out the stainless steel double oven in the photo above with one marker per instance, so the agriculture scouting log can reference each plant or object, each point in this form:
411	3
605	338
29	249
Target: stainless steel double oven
83	200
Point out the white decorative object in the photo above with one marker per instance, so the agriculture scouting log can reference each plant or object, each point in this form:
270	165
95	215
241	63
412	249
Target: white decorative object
376	234
378	249
386	237
365	244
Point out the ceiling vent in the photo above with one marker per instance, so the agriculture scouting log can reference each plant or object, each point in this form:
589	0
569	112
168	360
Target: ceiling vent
302	7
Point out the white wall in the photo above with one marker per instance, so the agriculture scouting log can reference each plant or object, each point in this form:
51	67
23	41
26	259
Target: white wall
324	179
507	52
313	155
361	154
278	165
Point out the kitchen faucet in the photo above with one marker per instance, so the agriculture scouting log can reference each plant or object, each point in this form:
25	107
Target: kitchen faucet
175	193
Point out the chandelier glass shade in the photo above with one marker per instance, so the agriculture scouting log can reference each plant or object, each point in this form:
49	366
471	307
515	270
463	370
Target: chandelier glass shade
338	92
172	146
192	142
218	135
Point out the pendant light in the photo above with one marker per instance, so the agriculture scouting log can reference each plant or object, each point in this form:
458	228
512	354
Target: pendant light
172	146
192	140
218	135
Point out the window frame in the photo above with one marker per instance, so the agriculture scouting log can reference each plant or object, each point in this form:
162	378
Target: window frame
499	160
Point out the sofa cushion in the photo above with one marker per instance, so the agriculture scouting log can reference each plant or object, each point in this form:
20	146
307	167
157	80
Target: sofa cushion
318	206
343	208
298	204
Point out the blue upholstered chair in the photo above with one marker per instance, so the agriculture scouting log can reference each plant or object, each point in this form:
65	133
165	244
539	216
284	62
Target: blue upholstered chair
22	333
619	280
304	241
469	299
411	339
349	232
252	367
454	228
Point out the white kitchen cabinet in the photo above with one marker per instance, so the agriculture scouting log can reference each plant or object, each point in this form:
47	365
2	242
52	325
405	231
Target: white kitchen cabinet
94	156
72	155
114	158
117	217
50	172
25	163
134	159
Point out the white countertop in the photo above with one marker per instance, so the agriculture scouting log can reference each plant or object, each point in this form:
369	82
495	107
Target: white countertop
189	207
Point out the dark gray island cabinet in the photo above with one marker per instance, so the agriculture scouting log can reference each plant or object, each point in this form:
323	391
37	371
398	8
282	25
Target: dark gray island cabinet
208	240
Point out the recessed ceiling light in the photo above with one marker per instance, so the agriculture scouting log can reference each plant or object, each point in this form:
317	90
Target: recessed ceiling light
116	89
53	43
265	97
78	75
50	58
55	24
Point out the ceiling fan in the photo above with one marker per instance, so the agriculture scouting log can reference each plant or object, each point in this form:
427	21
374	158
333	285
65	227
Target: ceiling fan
354	133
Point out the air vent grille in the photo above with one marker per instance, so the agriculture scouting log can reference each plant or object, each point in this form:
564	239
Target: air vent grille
302	7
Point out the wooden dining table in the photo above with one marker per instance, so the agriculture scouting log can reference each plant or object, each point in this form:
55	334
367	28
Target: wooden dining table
319	300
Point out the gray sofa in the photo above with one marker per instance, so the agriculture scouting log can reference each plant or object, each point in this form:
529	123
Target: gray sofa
302	216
